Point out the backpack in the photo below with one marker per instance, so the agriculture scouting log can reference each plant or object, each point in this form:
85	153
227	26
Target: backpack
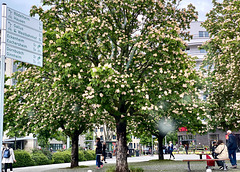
6	153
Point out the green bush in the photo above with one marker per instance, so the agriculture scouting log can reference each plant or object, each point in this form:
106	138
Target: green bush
23	159
81	156
89	155
45	151
67	156
58	158
40	159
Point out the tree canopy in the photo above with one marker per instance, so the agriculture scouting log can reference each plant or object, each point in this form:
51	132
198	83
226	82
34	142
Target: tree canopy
123	58
223	66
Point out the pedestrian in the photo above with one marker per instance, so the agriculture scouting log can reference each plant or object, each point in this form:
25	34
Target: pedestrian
232	148
8	157
214	146
186	148
171	150
98	153
221	152
104	154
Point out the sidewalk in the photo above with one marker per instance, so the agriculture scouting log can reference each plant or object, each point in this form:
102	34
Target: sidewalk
56	167
176	165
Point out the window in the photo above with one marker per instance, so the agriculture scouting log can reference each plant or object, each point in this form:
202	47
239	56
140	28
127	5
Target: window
134	145
114	137
203	51
101	137
203	34
101	129
56	146
96	130
130	145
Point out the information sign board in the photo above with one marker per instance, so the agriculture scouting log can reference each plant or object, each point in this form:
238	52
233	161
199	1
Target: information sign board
23	38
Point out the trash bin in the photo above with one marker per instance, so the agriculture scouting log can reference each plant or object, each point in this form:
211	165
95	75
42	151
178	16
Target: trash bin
137	152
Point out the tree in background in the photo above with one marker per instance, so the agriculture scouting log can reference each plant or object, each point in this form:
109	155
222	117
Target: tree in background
223	65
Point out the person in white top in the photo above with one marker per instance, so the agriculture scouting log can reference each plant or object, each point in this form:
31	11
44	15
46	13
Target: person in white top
222	153
8	157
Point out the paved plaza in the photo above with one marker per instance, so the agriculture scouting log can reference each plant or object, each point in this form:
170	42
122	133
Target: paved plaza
145	162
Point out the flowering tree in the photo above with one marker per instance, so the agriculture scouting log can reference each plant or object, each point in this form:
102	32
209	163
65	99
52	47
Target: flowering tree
123	58
50	98
223	64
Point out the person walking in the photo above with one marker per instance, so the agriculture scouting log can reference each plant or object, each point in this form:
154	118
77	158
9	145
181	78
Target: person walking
171	150
232	148
186	148
104	152
221	152
8	157
98	153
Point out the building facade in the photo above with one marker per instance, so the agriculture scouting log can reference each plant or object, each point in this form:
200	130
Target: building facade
200	35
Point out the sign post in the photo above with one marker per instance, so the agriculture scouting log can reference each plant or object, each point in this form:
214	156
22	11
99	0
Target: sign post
2	74
21	40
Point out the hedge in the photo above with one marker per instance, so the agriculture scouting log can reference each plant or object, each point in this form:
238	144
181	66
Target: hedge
42	157
23	159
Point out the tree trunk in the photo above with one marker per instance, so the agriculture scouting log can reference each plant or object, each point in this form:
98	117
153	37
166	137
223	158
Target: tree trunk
74	155
160	148
121	158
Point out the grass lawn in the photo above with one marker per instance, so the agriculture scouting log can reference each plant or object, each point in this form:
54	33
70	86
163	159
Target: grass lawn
154	165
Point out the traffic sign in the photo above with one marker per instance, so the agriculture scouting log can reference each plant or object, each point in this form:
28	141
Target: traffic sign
25	44
23	31
23	55
23	19
23	37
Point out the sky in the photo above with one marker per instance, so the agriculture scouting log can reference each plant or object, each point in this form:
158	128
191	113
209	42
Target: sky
24	6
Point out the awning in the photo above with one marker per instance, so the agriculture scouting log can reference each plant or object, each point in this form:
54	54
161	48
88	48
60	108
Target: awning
19	139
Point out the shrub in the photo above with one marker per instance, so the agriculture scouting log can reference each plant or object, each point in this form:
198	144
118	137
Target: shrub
58	158
45	151
23	159
89	155
40	159
81	156
67	156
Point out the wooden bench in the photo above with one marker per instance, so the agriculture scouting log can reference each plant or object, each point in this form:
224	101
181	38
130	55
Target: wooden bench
189	160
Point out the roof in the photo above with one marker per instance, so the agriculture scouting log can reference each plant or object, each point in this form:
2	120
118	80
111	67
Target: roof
18	139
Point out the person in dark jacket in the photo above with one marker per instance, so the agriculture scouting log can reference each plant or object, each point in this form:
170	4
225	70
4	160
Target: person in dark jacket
232	148
104	152
171	150
98	153
214	146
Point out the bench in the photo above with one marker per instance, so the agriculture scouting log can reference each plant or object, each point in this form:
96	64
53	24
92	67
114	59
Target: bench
189	160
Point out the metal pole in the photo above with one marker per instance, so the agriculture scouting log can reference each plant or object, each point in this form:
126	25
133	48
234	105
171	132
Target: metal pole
93	144
68	142
3	53
165	140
